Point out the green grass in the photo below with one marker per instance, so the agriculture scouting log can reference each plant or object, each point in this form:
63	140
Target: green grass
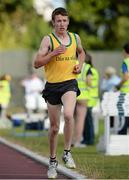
89	162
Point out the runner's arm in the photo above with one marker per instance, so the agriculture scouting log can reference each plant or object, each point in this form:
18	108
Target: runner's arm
45	54
81	56
124	79
125	76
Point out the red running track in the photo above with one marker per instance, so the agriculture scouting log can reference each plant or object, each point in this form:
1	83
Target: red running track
15	165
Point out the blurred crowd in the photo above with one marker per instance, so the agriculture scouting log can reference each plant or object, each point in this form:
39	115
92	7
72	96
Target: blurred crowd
33	87
5	94
87	111
88	106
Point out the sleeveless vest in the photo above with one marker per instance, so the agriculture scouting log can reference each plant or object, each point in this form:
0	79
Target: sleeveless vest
81	79
125	86
94	88
60	68
5	93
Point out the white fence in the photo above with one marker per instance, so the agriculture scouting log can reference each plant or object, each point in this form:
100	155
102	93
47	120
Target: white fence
115	104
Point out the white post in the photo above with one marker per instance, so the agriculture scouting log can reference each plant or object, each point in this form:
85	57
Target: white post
107	133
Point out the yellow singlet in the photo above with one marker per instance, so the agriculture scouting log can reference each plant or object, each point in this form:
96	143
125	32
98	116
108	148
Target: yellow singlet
60	68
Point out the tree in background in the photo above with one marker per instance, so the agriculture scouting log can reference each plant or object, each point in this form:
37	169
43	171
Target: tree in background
101	24
20	26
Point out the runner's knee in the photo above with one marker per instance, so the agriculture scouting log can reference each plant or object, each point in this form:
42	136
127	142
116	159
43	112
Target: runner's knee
54	130
68	116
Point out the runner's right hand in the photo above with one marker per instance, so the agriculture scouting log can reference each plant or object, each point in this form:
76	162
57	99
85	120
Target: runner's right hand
59	50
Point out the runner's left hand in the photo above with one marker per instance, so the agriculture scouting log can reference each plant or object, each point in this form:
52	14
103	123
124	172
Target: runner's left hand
77	69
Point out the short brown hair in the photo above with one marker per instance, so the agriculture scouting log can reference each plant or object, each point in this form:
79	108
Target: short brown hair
58	11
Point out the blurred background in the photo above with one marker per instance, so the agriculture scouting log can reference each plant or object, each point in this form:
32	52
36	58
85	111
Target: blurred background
102	25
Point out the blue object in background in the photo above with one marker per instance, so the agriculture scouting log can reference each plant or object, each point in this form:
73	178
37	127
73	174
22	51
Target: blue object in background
17	122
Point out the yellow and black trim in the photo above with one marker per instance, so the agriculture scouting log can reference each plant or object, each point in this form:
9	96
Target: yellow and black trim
76	39
52	45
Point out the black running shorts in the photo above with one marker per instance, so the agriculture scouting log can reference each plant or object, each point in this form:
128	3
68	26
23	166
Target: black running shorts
54	91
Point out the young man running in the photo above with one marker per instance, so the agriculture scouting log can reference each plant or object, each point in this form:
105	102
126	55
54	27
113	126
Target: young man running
57	53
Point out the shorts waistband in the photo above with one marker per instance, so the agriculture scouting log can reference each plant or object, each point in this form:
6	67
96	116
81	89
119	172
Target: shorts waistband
63	82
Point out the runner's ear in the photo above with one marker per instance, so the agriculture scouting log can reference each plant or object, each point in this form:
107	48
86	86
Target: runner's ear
53	23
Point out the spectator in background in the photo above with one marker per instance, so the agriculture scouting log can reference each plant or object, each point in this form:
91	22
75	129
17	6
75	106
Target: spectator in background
93	99
5	94
33	87
123	85
110	80
109	83
81	104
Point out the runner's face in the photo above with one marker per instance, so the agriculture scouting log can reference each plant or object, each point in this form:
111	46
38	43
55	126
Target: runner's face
61	23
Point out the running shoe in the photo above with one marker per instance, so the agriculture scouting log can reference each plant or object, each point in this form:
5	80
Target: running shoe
68	160
52	170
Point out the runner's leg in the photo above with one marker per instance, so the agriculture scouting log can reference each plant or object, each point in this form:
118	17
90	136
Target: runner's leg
69	101
54	112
